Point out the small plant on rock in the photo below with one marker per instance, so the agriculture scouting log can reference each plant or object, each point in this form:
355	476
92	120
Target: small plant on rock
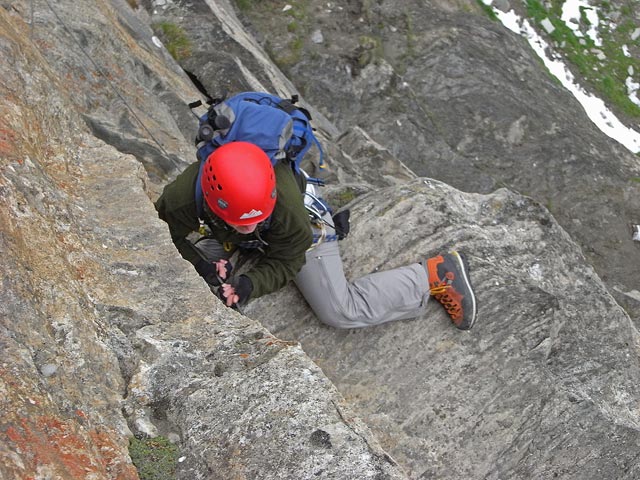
175	39
155	458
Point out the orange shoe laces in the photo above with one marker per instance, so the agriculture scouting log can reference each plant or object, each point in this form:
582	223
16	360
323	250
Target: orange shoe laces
441	290
450	303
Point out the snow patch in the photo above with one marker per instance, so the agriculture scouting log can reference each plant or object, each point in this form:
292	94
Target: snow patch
595	108
572	11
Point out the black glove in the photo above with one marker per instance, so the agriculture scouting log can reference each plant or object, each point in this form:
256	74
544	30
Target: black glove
209	271
341	224
237	292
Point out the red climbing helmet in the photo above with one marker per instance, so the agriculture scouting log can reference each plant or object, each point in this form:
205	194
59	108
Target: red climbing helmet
239	184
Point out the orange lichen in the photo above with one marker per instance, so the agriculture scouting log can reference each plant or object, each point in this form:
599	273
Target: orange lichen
64	446
7	142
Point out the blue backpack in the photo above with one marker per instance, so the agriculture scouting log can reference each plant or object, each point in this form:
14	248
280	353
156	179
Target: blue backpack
276	125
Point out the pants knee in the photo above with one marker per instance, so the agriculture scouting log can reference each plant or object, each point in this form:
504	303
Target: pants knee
339	320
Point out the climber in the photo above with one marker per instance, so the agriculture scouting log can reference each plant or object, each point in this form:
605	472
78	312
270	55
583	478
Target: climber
260	208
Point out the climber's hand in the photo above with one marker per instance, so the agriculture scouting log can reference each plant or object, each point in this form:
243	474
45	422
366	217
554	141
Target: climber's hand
237	292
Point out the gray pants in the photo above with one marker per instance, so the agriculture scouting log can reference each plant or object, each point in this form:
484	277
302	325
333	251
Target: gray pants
373	299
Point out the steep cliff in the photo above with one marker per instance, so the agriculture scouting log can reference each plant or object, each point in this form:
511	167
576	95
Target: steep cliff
458	97
106	332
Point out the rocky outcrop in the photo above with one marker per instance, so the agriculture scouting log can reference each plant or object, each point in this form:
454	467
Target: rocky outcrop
460	98
544	386
106	332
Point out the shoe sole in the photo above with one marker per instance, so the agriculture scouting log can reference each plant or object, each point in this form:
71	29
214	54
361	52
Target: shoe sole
464	267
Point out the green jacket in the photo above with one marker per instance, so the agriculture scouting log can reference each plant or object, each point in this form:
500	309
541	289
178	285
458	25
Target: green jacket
288	236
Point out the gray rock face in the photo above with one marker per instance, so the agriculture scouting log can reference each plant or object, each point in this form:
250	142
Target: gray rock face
249	404
460	98
544	386
106	332
129	94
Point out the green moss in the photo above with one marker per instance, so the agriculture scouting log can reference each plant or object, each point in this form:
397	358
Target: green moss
346	196
155	458
536	10
298	11
288	57
488	10
297	44
411	37
296	27
408	56
606	75
626	10
245	5
370	50
175	39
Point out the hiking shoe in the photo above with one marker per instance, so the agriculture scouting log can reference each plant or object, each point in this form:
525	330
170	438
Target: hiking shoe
449	284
